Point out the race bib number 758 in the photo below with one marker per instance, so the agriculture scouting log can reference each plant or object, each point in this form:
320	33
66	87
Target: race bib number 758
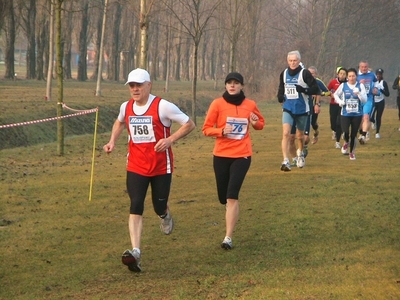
141	129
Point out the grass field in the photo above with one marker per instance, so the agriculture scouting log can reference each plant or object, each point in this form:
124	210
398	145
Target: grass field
328	231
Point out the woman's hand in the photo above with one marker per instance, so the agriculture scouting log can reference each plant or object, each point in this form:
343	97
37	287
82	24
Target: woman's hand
253	118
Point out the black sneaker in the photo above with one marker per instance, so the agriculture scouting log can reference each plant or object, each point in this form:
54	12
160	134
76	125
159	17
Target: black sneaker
131	258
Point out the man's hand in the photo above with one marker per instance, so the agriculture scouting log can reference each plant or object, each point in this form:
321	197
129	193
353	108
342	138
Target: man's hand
109	147
301	89
163	145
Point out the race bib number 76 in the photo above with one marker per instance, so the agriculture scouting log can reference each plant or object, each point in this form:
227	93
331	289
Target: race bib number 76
239	127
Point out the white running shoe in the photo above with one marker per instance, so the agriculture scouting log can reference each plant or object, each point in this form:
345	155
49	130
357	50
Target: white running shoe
167	224
345	148
367	136
227	243
352	156
373	125
333	135
337	145
361	139
285	166
301	161
377	136
131	258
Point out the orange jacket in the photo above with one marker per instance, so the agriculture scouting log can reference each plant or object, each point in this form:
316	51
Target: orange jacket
219	113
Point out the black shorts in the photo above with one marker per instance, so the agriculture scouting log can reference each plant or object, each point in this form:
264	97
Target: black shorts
137	186
229	175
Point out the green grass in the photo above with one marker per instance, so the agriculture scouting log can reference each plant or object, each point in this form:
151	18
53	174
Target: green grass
328	231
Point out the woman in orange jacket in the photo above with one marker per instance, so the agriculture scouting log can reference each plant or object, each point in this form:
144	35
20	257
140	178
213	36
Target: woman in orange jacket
228	119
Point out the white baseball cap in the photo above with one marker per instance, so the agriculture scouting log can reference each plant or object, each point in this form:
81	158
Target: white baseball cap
139	76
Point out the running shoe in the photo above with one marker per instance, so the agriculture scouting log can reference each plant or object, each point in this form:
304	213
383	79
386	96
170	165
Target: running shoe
131	258
167	223
305	151
337	145
367	136
301	161
377	136
361	139
333	135
345	148
227	243
352	156
294	162
285	166
373	125
315	137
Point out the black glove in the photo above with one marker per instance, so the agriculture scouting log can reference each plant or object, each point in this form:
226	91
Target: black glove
301	89
281	99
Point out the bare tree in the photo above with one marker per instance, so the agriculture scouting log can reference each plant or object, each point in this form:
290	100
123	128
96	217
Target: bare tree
51	52
3	7
60	79
100	50
66	41
114	45
99	16
10	39
27	14
199	14
145	8
235	10
82	61
42	38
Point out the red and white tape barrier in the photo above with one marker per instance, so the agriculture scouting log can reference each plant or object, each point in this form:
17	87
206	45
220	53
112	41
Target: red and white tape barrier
77	113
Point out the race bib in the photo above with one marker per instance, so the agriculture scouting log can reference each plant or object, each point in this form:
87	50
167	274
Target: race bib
290	92
239	127
141	129
352	105
367	87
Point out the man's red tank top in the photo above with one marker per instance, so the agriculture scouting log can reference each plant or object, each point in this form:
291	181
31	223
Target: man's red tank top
144	132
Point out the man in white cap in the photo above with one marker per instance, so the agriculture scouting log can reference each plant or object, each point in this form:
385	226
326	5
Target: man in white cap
150	161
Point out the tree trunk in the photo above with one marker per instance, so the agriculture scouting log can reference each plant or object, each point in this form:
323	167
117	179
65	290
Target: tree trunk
99	26
203	60
3	11
42	42
167	55
66	43
194	82
100	50
178	57
30	32
51	53
113	62
82	62
60	78
154	51
10	39
144	25
185	62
